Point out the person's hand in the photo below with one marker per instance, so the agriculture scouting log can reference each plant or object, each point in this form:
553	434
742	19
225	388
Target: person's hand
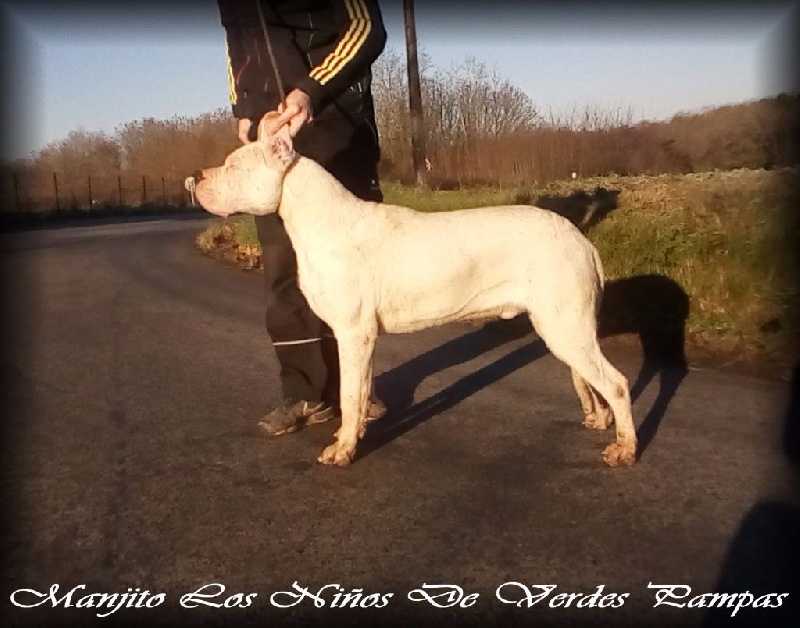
244	130
296	113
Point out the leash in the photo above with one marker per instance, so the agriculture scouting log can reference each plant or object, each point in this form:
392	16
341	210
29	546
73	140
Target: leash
278	81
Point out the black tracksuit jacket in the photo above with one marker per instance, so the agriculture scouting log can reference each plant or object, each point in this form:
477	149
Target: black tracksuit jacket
323	47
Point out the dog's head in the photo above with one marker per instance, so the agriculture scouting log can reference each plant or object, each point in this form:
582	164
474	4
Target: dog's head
251	179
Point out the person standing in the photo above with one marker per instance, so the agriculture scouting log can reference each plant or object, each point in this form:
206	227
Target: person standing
323	52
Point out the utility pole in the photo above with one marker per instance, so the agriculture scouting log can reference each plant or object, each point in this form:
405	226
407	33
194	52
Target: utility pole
415	96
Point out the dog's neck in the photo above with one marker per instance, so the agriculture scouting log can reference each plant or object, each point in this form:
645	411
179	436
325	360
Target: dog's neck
313	203
308	183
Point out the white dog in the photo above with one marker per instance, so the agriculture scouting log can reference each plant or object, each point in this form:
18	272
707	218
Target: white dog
368	268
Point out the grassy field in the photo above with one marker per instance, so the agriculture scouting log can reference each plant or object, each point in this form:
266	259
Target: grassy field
728	240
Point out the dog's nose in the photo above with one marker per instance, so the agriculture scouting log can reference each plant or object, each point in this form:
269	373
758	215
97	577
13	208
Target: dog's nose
197	176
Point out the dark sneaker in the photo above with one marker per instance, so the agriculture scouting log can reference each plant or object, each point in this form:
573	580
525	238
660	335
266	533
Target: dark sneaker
291	417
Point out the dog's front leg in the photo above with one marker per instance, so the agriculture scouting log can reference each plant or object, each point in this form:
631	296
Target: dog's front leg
355	366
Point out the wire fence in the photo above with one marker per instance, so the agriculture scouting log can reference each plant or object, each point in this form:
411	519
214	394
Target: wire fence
28	193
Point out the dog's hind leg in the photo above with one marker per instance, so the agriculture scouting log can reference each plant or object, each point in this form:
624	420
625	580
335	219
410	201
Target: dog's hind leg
573	340
355	365
597	414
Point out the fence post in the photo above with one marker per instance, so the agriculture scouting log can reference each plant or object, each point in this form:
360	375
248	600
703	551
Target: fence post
144	189
16	190
119	189
55	186
91	200
164	191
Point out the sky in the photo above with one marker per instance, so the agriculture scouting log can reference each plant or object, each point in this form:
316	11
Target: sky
95	66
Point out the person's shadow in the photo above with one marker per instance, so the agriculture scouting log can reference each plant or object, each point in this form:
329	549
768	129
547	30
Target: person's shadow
764	555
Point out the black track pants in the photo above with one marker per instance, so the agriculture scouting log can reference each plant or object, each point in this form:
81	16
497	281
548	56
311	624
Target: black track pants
304	345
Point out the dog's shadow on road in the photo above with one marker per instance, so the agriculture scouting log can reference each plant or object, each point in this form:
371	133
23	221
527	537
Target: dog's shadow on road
397	386
652	307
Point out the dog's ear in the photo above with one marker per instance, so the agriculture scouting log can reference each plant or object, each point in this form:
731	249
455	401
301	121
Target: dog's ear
278	144
280	149
261	131
283	132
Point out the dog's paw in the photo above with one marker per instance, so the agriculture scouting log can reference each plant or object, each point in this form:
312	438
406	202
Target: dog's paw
337	454
598	420
617	455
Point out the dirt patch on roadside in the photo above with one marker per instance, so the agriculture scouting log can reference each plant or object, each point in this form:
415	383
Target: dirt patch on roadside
221	246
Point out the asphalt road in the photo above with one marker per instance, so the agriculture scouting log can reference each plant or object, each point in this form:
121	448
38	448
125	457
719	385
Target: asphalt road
134	371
